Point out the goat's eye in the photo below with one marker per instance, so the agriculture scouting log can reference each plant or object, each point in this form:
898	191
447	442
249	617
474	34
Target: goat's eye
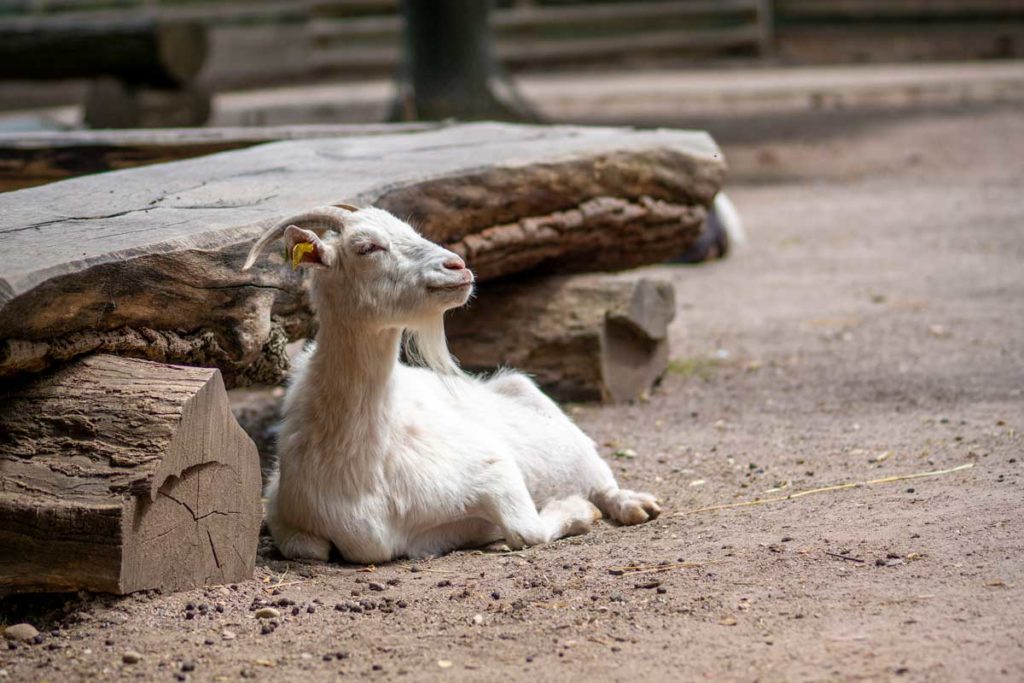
369	248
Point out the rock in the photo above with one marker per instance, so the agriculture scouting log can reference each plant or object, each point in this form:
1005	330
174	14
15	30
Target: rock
23	632
228	635
131	657
374	586
267	613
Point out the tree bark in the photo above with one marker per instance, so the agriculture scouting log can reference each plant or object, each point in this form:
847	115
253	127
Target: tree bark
582	338
146	262
120	475
449	69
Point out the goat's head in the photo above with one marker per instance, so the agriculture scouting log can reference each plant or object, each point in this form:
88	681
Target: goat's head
370	266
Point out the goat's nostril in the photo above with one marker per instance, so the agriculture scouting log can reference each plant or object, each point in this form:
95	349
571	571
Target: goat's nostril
455	263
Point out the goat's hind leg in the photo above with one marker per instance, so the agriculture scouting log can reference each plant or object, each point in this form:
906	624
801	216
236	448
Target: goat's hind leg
512	509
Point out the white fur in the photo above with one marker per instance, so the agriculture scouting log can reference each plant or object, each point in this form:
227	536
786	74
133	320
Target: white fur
385	460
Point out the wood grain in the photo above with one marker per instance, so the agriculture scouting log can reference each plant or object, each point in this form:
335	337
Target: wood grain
118	475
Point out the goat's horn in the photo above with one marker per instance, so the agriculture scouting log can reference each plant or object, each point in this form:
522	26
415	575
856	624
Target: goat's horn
319	220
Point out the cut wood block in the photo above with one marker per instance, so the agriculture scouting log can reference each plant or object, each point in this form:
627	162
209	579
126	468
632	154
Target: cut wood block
582	337
146	262
119	475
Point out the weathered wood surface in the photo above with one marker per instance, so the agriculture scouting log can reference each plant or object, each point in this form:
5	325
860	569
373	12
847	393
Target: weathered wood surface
37	158
582	337
119	475
145	262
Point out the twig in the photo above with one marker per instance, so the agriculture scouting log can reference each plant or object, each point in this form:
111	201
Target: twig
844	557
827	489
416	569
649	568
270	589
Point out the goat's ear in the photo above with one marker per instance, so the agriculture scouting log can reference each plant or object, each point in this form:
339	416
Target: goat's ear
304	248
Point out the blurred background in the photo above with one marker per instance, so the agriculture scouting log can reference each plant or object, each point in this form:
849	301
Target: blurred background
160	63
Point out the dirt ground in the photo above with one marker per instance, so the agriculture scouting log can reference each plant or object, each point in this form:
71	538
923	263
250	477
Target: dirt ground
873	327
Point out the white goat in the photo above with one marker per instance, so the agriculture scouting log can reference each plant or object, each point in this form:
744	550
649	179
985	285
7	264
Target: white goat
386	460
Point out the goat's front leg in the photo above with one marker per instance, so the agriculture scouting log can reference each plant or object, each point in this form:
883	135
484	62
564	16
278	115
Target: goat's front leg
507	503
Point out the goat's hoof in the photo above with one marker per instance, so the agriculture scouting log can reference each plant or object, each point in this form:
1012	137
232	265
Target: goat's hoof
637	508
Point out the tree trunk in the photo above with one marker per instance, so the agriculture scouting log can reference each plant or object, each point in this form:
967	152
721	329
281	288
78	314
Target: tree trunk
583	337
120	475
449	67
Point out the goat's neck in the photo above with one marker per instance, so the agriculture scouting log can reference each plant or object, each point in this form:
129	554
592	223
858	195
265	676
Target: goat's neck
352	368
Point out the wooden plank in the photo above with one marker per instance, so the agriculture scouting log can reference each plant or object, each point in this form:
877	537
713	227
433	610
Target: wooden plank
145	261
849	10
119	475
539	50
519	18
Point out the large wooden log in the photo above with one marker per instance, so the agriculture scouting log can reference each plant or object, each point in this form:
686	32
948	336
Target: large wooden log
119	475
582	337
141	50
146	262
28	159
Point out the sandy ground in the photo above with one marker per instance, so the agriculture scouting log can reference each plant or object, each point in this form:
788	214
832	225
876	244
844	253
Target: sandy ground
873	327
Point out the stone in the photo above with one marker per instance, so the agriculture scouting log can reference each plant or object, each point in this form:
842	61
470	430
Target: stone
267	613
21	632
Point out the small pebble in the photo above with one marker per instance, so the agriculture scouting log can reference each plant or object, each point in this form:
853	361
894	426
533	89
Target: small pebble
23	632
443	583
374	586
267	613
311	609
131	657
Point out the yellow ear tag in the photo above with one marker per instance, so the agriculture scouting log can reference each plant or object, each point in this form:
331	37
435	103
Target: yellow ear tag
298	251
